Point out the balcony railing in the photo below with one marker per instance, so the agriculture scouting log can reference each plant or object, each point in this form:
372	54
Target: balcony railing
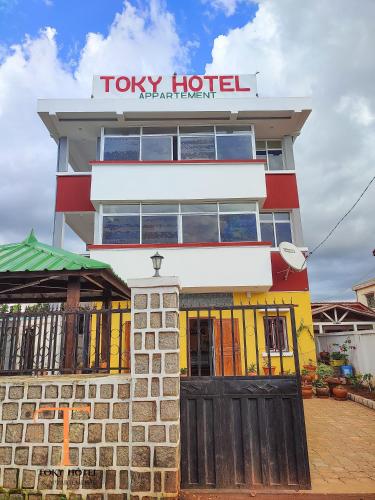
61	342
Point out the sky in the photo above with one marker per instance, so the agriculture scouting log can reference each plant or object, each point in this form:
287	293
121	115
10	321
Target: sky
51	48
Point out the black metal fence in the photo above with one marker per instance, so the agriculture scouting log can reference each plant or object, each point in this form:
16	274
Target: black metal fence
240	340
58	342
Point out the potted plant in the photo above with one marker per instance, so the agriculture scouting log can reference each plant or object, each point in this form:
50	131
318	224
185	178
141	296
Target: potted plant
266	368
323	371
251	370
307	391
338	358
306	376
340	393
183	372
310	367
321	388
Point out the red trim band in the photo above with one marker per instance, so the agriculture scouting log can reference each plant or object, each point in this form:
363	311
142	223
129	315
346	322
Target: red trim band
182	245
161	162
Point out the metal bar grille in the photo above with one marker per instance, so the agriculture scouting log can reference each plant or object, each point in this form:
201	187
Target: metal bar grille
35	343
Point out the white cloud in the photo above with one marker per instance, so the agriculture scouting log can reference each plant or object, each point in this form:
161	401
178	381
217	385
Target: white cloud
138	41
228	6
323	49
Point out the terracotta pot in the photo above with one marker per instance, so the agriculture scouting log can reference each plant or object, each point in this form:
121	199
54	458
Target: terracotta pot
267	370
307	391
340	393
322	392
307	378
310	368
251	374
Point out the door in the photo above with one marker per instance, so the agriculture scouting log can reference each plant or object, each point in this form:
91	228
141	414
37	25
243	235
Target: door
227	347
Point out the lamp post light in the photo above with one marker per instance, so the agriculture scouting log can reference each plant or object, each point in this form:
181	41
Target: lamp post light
156	262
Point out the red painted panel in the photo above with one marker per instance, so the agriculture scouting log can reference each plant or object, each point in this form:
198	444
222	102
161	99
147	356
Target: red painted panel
282	192
73	193
295	282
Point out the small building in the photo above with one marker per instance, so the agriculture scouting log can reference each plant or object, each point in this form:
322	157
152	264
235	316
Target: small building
334	322
365	292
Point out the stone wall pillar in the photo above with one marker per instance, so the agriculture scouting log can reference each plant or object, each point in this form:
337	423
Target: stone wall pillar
155	403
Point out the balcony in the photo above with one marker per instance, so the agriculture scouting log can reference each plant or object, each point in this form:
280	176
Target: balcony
177	180
204	267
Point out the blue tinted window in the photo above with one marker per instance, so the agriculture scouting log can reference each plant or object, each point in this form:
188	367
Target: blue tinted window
199	228
233	147
121	148
238	227
159	229
267	232
283	232
123	229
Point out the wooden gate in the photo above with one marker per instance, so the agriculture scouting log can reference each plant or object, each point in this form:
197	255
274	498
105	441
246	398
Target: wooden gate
242	431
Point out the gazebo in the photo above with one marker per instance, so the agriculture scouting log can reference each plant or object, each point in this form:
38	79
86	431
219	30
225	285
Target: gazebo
32	272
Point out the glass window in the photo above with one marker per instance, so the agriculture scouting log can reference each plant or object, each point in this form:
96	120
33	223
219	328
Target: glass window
156	148
123	229
197	147
197	130
159	229
234	147
121	209
237	207
283	232
225	129
267	232
266	217
272	152
282	216
160	209
199	228
275	333
122	131
370	298
159	130
276	227
275	159
121	148
238	227
198	207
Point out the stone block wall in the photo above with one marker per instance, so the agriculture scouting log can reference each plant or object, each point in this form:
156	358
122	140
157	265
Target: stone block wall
31	447
123	434
155	415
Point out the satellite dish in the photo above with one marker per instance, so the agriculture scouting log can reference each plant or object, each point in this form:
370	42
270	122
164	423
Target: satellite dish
293	256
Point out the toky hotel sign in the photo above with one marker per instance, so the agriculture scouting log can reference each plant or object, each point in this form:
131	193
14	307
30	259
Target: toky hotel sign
174	86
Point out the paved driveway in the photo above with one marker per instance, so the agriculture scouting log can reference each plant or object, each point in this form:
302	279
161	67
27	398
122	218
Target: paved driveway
341	440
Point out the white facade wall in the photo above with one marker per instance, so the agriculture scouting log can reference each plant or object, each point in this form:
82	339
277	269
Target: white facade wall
178	181
362	357
200	269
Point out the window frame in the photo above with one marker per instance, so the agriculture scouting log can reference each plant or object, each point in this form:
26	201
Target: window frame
216	211
267	165
285	334
274	222
179	134
370	299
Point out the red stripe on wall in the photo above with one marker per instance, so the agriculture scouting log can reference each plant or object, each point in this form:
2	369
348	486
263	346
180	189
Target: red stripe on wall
73	194
295	282
282	192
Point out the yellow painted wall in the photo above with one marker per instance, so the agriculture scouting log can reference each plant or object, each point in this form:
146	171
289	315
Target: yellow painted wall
305	340
304	326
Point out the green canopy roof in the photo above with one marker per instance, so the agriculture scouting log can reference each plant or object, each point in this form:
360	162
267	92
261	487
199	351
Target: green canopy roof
31	255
